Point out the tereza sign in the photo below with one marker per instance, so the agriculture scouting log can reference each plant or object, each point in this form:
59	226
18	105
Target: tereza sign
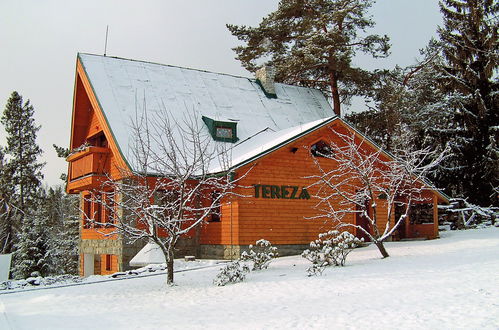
280	192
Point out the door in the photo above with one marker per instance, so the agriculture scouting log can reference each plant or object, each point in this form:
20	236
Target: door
88	264
361	220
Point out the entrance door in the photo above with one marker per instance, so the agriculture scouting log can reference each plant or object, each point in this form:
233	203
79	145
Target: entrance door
399	210
362	221
88	264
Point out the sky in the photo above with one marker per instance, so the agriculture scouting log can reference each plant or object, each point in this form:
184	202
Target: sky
39	41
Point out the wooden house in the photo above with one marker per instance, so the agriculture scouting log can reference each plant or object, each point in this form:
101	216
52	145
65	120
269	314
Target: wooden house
270	127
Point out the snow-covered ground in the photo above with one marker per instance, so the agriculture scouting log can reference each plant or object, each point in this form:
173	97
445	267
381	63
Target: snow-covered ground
450	283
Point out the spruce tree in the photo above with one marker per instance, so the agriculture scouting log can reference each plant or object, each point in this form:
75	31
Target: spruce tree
21	153
31	251
468	76
62	213
9	215
312	43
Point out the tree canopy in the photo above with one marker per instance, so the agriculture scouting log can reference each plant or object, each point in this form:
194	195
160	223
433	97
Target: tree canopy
311	43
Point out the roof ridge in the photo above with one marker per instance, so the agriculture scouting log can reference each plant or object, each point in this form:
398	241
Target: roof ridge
169	65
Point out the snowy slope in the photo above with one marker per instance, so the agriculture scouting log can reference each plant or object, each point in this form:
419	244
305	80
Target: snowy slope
450	283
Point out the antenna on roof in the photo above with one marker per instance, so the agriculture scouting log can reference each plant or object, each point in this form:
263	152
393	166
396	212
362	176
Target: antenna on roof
105	45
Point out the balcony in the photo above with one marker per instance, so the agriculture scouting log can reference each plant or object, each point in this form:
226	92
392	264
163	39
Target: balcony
87	168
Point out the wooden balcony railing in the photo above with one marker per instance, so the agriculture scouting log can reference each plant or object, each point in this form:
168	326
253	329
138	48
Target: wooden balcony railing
86	166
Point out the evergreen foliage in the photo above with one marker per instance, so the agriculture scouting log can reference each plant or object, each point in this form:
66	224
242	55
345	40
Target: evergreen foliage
22	150
9	214
31	249
21	179
62	216
468	74
449	99
312	43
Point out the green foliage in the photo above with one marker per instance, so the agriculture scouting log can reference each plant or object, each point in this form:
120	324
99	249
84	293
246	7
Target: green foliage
449	99
311	43
22	150
467	74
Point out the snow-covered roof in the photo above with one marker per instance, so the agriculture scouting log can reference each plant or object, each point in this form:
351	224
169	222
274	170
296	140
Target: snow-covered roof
122	86
149	254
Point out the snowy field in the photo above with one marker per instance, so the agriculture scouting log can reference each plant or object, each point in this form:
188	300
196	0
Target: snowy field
450	283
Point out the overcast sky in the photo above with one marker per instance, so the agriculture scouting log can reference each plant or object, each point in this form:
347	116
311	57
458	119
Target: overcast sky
39	40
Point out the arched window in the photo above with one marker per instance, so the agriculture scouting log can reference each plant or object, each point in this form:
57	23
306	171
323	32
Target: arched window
321	149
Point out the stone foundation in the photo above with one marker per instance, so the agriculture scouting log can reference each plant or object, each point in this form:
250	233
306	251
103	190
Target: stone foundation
234	251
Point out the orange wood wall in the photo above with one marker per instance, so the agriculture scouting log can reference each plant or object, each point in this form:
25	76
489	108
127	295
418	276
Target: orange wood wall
281	221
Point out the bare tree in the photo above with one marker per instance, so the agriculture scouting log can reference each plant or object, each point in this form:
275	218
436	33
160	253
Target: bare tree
172	188
356	179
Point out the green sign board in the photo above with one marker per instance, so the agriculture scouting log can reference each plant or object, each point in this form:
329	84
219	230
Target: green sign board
280	192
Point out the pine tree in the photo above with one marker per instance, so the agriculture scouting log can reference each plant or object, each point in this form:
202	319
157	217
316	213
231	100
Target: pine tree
22	152
62	213
467	75
312	43
31	250
9	215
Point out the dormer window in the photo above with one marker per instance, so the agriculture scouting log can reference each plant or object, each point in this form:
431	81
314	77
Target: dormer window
321	149
224	131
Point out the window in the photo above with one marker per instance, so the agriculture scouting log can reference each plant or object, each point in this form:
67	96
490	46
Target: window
421	213
86	212
321	149
109	259
224	132
98	212
108	208
216	210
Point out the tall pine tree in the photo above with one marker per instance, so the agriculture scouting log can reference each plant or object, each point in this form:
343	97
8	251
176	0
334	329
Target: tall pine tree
21	153
312	43
468	75
9	215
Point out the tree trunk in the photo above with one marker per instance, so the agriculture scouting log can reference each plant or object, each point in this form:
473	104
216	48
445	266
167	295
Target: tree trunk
169	266
382	249
335	94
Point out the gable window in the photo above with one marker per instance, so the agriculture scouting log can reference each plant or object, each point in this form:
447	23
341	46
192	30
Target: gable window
225	131
321	149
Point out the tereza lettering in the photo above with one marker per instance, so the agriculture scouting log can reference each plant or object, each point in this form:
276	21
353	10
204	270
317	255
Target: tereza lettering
280	192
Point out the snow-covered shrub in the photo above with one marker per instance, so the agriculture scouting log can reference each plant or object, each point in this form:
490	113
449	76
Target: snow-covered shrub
232	272
261	254
331	249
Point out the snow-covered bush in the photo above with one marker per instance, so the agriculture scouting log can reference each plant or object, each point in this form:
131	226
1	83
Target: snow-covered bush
232	272
261	254
331	249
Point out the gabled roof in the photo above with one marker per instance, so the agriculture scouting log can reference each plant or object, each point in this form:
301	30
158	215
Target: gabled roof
122	86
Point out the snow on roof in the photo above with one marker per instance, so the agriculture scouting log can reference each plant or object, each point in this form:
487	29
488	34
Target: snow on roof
149	254
122	86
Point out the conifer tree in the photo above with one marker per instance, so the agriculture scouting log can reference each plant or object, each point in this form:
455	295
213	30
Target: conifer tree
24	169
9	222
62	213
468	75
22	150
31	250
312	43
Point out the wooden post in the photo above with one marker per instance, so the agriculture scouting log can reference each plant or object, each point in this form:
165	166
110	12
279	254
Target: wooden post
435	216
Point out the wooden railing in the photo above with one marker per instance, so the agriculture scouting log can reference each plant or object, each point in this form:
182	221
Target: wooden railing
91	160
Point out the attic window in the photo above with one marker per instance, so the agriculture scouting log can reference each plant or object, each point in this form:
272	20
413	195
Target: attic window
224	131
321	149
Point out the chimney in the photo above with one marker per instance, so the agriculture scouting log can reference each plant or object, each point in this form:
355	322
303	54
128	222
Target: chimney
265	77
